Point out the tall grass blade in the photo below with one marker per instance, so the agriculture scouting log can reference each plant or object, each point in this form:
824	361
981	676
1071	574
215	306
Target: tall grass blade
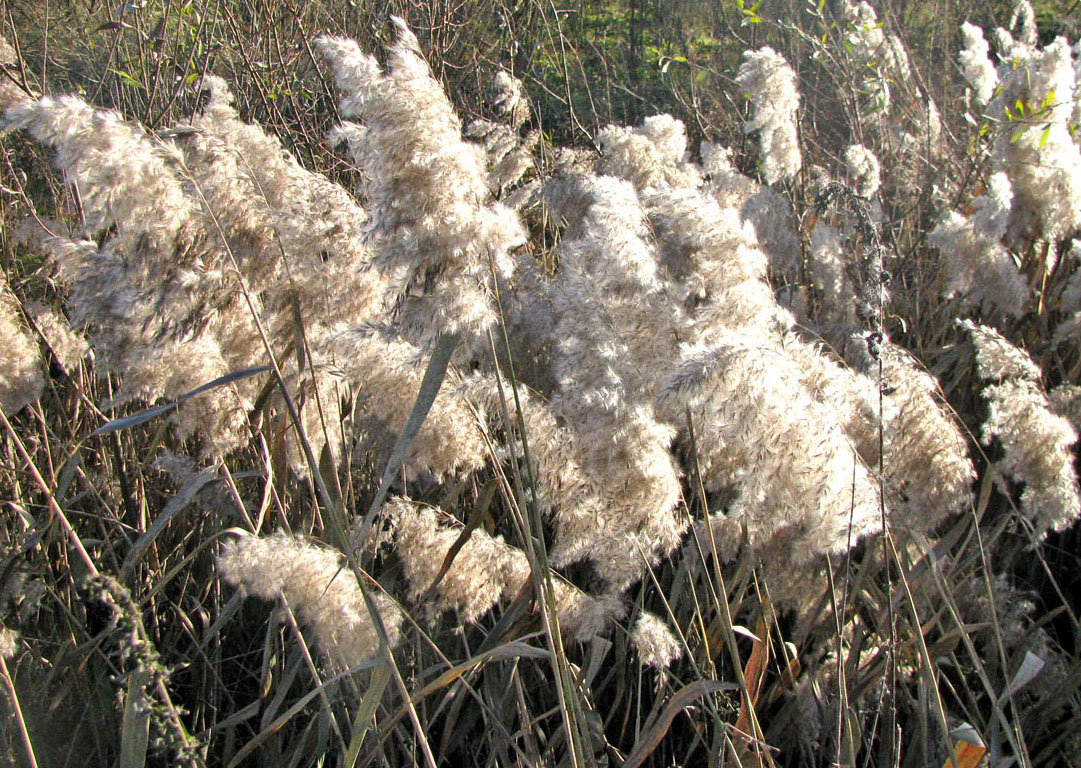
134	420
429	389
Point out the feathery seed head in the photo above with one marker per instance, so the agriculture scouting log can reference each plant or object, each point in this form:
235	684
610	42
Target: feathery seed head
315	584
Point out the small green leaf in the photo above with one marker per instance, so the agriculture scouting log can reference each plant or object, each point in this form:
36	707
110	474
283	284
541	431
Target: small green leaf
127	79
1045	135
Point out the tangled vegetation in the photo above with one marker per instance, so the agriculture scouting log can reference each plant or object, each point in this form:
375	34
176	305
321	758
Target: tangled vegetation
365	404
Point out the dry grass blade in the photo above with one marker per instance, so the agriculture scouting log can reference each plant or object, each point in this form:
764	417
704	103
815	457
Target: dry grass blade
476	517
24	733
434	375
142	417
272	727
511	650
365	717
135	729
654	732
177	504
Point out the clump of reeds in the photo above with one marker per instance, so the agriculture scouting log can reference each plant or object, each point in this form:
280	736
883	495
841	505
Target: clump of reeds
587	399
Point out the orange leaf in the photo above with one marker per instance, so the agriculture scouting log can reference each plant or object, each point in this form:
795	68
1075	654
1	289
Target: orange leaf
753	673
967	755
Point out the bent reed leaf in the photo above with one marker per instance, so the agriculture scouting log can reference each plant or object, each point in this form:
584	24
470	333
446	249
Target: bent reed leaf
127	422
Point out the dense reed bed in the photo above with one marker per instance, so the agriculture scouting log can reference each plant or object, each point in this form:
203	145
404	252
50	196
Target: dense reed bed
361	418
